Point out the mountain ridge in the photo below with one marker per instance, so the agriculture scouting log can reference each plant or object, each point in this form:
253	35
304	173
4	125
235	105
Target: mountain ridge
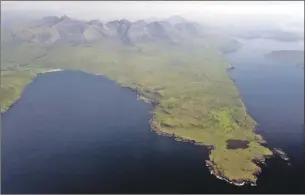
51	29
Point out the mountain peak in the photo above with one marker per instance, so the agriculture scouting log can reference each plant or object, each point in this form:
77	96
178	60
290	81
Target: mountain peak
50	20
176	19
151	19
124	21
65	17
94	22
140	22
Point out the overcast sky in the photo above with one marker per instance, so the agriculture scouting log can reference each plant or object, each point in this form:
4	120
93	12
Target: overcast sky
135	10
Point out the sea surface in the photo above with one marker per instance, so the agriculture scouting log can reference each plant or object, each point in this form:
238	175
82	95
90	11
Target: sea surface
73	132
273	93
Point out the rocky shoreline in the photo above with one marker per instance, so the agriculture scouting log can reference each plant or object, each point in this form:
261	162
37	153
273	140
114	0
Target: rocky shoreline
174	136
220	176
211	166
4	109
231	68
209	163
260	162
140	97
279	152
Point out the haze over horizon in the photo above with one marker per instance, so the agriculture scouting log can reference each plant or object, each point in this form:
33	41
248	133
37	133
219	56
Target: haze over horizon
109	10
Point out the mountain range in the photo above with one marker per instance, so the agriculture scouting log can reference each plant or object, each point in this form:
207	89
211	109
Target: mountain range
52	29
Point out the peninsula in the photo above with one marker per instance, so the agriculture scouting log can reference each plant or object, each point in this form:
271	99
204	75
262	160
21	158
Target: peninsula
171	66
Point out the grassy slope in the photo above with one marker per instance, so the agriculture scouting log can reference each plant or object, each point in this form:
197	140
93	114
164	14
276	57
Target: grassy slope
16	71
13	81
197	100
12	84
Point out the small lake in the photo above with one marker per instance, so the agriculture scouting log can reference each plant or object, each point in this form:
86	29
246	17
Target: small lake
73	132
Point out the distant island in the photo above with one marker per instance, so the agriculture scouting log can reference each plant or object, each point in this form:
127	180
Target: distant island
293	56
170	64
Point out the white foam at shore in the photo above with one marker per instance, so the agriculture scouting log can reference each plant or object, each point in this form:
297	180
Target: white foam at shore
224	179
53	70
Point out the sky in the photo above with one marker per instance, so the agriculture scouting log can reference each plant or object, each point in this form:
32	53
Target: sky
144	9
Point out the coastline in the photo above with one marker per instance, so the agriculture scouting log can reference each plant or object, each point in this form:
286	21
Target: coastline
141	96
209	163
260	161
4	109
51	70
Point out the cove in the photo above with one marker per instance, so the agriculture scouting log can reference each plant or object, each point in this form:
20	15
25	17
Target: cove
73	132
